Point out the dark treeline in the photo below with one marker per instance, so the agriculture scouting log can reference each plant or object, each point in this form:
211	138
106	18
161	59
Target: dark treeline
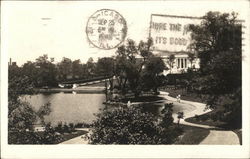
45	72
135	67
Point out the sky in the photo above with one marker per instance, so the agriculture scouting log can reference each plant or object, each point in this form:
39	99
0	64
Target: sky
57	28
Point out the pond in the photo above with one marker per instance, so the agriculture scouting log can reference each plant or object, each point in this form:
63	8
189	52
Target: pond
69	107
82	107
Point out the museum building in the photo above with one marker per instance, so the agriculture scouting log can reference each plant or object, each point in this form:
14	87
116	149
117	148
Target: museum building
171	40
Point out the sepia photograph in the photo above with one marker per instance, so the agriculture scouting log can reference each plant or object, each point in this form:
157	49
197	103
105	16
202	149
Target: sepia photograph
125	73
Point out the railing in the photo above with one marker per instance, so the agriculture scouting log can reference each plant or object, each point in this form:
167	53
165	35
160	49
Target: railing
86	80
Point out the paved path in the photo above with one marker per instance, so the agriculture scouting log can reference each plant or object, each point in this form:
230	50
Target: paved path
216	135
80	139
190	109
220	137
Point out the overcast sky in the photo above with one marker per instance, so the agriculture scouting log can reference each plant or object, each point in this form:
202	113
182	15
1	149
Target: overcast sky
57	28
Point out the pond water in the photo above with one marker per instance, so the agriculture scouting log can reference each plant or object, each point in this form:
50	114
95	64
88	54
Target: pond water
68	107
82	107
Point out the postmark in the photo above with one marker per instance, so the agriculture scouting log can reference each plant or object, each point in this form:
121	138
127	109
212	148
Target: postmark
106	29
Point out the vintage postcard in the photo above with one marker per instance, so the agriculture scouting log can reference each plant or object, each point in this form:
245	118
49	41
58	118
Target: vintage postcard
125	79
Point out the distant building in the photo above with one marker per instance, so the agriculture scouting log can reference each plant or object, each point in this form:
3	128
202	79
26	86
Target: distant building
171	36
10	63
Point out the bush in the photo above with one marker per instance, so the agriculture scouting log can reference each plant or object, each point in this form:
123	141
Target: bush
49	136
197	117
130	126
59	127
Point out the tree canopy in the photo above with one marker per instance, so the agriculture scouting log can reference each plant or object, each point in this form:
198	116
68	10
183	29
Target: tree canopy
217	40
138	66
134	126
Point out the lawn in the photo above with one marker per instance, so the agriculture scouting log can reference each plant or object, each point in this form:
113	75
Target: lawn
205	119
184	94
151	98
239	134
192	135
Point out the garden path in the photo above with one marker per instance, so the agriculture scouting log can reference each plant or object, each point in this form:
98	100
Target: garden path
216	136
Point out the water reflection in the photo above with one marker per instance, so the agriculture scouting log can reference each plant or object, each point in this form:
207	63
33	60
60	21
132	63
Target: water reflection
72	107
69	107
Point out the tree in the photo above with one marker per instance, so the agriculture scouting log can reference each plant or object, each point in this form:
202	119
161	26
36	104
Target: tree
21	115
180	115
191	57
171	60
218	44
152	73
76	68
133	63
30	70
105	67
131	126
129	67
46	71
90	67
167	112
65	68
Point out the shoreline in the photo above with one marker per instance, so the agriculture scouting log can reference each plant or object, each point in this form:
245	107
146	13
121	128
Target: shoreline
72	90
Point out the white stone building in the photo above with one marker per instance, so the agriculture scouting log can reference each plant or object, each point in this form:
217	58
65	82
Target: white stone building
170	36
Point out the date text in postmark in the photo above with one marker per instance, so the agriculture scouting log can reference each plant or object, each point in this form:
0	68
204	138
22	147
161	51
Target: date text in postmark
106	29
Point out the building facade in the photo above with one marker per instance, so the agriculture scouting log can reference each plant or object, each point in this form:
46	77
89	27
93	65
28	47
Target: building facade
172	38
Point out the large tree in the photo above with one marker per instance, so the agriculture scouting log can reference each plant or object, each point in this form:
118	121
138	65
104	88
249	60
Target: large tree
218	44
21	115
64	68
152	73
46	71
76	69
105	67
134	62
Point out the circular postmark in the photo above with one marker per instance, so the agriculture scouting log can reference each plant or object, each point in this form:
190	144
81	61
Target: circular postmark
106	29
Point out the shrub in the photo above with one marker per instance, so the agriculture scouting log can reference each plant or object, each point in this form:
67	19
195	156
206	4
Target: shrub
197	117
59	127
130	126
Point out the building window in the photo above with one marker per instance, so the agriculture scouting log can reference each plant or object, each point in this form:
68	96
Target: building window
181	63
185	63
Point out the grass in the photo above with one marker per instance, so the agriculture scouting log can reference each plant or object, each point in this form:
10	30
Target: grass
184	94
205	119
142	99
239	134
192	135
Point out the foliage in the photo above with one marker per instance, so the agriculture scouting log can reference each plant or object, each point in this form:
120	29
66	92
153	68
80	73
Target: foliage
43	111
218	44
64	68
131	126
191	57
21	116
49	136
167	112
137	67
171	62
47	71
44	72
105	67
151	73
180	115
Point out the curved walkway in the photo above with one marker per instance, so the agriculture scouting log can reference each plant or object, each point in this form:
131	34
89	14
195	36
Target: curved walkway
216	135
80	139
